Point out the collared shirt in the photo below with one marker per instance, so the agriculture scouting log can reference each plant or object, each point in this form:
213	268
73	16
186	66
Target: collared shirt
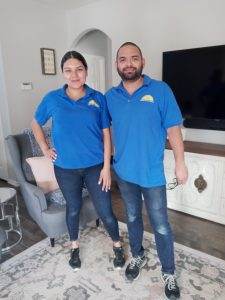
76	126
139	125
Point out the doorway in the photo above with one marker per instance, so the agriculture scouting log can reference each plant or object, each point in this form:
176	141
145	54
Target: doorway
96	72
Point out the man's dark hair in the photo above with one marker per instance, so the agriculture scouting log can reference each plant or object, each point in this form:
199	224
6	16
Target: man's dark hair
129	44
76	55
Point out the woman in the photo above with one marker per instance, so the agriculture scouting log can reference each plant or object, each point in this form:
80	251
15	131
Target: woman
82	149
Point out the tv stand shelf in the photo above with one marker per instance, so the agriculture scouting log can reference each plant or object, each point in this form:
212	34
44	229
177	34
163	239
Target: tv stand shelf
204	193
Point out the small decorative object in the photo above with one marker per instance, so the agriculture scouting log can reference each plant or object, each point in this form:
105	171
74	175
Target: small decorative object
48	61
200	184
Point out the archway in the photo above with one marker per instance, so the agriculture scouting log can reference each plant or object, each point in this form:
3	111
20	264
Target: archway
97	49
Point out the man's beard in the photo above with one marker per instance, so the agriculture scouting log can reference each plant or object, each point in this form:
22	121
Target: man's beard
130	76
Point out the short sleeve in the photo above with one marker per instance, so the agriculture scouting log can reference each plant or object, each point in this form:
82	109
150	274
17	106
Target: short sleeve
105	117
43	111
169	109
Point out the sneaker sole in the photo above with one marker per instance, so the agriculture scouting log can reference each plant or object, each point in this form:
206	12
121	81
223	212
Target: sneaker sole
118	268
75	268
136	278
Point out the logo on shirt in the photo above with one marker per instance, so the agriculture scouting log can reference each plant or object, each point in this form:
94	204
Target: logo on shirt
93	103
147	98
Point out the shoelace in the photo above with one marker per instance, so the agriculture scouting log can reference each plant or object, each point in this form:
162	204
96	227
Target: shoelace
170	281
135	261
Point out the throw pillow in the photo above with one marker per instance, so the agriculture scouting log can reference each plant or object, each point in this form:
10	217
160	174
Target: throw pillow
43	172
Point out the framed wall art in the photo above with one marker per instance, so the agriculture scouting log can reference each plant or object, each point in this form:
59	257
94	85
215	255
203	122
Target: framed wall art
48	64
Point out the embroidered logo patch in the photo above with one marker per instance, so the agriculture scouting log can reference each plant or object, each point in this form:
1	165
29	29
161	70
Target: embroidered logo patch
93	103
147	98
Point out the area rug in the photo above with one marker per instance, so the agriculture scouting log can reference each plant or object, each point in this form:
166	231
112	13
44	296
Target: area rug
42	272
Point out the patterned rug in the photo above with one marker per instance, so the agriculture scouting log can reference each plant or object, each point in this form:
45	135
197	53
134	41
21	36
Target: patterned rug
42	272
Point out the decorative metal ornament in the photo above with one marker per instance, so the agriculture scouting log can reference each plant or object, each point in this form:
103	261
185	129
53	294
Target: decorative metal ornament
200	184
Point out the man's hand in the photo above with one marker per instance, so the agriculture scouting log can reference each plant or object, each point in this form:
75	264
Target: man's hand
181	173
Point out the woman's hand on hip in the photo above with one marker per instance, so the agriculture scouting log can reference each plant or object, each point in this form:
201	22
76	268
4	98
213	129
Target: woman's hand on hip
105	179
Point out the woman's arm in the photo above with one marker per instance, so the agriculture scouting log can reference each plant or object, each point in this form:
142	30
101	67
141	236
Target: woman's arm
40	138
105	175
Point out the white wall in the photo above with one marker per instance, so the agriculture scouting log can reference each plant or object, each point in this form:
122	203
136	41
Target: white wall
25	27
156	26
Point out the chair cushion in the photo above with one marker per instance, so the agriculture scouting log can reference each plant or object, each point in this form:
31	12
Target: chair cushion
2	236
23	142
36	150
57	196
43	172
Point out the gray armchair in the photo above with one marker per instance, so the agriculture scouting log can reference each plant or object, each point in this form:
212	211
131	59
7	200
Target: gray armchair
51	217
2	240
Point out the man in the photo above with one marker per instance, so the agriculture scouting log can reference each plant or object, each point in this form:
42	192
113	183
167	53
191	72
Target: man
144	112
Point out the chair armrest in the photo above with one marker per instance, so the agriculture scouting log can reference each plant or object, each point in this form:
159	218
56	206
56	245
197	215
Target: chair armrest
37	193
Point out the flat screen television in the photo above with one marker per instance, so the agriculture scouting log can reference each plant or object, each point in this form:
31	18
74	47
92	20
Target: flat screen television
197	78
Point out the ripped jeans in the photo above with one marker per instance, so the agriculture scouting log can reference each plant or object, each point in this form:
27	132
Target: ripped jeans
156	206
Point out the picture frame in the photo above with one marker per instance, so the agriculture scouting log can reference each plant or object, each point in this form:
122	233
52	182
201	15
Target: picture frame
48	64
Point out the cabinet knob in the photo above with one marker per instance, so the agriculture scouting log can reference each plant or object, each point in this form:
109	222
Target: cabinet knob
200	184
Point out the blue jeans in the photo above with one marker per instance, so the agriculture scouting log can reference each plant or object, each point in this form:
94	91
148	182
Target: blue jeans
71	182
156	206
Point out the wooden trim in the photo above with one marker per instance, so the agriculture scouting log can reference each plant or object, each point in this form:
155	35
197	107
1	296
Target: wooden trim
202	148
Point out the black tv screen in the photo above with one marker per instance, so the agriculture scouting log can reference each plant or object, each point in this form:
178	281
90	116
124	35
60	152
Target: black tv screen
197	78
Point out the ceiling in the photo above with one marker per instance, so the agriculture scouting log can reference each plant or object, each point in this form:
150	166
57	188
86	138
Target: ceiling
66	4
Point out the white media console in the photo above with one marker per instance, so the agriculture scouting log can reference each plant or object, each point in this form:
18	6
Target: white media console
204	194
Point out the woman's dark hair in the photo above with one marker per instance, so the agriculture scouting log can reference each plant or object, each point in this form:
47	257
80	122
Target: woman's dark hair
76	55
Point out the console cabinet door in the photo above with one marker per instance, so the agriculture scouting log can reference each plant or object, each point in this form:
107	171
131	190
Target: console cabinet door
202	194
223	193
203	189
223	181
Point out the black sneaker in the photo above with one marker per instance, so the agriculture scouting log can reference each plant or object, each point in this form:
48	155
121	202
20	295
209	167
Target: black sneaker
172	290
133	269
74	261
119	258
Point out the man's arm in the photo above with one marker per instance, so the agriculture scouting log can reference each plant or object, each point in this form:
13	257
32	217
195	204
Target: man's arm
177	145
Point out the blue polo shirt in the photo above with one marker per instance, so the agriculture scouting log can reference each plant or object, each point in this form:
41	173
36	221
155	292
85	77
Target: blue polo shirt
76	126
139	123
